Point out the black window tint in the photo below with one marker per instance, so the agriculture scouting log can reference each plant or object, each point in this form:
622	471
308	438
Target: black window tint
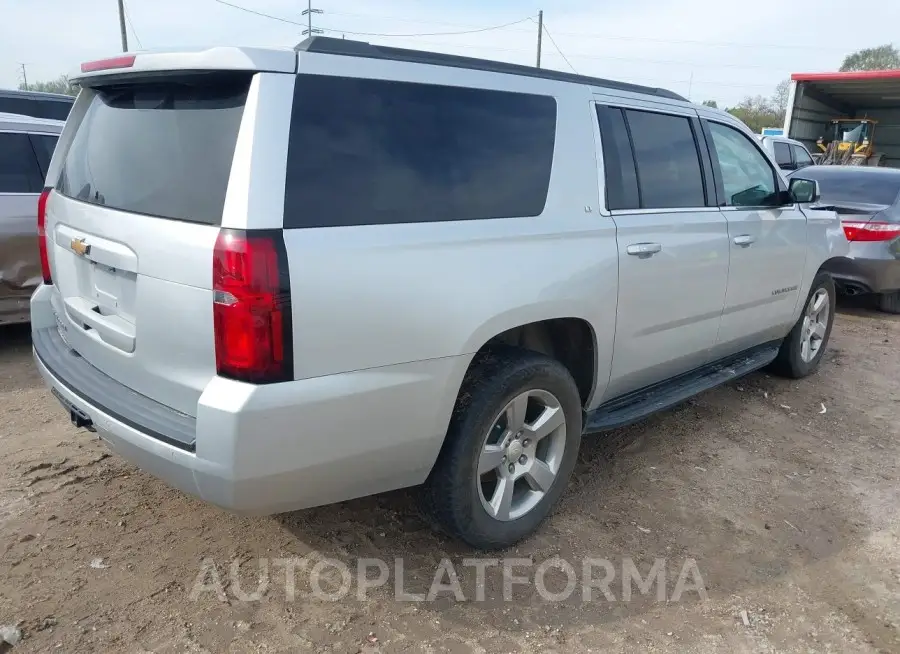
36	108
855	186
43	145
801	156
668	166
161	149
618	160
19	171
377	152
782	154
747	176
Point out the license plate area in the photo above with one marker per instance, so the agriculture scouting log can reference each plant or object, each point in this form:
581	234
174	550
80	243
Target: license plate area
106	287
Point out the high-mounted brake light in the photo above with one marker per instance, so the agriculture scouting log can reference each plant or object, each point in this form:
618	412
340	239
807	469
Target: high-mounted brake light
251	307
124	61
42	235
870	231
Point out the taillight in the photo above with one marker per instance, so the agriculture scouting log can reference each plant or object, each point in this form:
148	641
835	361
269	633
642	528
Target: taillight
42	235
870	231
252	307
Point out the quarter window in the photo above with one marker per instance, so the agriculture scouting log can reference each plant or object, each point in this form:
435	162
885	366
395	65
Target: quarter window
668	164
747	176
618	160
364	151
19	171
43	145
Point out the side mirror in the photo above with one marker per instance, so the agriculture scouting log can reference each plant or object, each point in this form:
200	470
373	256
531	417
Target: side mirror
805	191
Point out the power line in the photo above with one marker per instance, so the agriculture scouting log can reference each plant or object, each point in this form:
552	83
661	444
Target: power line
577	55
291	22
600	36
553	41
475	31
259	13
507	25
131	25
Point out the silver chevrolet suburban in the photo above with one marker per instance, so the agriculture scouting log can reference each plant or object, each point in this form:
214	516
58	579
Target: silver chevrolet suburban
283	278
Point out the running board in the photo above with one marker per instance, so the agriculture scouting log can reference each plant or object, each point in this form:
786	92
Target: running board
639	404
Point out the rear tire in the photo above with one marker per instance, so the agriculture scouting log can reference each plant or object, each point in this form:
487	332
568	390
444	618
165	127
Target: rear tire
492	506
803	348
889	302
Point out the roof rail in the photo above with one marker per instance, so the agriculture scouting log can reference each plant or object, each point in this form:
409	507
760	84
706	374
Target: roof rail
350	48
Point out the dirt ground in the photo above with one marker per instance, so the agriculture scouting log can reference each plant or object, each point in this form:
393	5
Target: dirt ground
791	515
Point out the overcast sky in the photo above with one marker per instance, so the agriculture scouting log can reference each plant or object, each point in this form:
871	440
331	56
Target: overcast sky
707	49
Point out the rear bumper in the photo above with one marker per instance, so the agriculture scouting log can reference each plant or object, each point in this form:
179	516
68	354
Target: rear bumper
870	268
275	448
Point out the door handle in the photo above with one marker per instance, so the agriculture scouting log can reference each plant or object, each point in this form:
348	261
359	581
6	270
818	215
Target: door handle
744	240
643	249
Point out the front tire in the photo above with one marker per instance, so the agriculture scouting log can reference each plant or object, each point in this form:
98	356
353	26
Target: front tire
889	302
510	449
803	348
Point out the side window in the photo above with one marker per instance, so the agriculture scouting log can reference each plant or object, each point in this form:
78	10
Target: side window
747	175
19	170
43	145
618	160
783	155
801	156
667	161
365	152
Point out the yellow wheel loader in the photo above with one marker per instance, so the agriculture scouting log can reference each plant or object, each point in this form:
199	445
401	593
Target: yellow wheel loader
849	142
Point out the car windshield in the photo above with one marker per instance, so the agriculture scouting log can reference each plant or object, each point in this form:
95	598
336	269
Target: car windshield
854	186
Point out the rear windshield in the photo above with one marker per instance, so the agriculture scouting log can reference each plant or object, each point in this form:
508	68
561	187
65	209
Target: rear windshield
161	149
856	187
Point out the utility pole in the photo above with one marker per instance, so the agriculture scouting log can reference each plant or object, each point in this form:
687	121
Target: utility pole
540	35
122	26
24	77
691	85
308	12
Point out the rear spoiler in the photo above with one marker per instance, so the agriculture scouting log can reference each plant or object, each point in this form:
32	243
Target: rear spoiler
209	59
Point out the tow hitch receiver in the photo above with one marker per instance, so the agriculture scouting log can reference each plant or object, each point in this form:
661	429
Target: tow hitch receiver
78	417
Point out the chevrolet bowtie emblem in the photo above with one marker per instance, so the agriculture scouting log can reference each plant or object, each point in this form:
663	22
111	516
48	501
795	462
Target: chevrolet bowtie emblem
79	247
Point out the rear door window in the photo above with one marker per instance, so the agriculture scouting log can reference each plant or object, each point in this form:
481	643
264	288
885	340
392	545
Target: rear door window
159	149
366	152
43	145
668	163
783	155
19	169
